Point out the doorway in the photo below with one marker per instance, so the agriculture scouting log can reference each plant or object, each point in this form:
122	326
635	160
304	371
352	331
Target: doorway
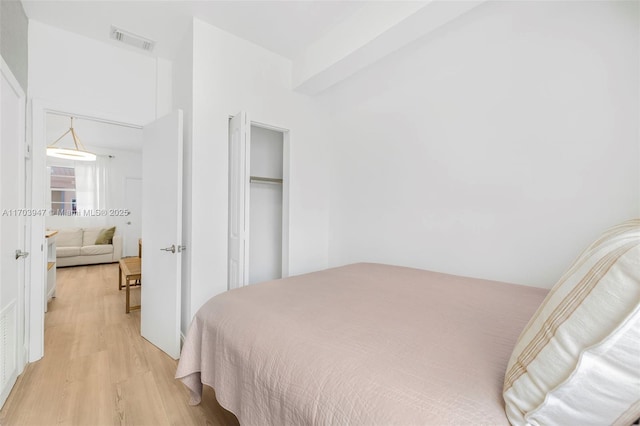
265	207
166	284
258	202
48	122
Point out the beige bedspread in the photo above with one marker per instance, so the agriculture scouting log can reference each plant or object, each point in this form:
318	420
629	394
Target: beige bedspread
364	344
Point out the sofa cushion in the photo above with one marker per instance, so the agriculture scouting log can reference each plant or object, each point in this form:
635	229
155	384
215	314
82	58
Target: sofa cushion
69	237
106	236
90	235
96	249
67	251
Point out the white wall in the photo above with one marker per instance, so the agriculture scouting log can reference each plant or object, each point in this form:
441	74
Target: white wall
72	70
13	39
231	75
497	147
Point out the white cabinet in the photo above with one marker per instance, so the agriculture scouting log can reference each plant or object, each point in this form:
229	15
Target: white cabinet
50	266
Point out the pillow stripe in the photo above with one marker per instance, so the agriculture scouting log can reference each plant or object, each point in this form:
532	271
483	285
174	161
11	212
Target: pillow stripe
577	360
562	312
579	262
631	415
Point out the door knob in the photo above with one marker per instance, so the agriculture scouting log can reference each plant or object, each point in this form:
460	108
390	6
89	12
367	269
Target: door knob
20	253
172	249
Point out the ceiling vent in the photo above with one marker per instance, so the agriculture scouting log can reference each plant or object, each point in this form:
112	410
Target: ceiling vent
132	39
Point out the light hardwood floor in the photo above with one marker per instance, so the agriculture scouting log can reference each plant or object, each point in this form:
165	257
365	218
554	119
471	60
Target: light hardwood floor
97	370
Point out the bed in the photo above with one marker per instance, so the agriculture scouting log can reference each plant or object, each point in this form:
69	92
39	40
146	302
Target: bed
360	344
372	344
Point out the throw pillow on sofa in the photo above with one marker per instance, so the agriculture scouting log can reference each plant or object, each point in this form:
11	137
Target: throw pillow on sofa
106	236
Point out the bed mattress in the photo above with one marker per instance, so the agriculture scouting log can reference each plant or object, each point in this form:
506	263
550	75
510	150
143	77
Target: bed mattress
360	344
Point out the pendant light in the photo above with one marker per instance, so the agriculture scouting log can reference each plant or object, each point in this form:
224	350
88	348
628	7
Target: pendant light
79	153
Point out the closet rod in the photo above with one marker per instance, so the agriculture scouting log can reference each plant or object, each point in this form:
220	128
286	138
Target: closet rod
259	179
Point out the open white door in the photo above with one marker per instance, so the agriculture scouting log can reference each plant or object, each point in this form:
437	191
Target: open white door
162	233
239	168
12	216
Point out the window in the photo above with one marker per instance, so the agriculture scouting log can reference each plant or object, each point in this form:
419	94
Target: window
63	191
78	188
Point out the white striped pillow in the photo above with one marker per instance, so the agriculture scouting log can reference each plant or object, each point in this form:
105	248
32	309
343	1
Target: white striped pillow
578	359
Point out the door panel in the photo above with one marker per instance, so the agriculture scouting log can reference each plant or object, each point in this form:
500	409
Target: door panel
239	166
162	229
12	215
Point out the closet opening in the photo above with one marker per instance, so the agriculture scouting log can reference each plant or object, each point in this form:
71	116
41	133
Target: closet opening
258	202
265	208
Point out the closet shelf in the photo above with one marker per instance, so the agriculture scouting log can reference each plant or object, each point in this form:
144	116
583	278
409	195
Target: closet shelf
260	179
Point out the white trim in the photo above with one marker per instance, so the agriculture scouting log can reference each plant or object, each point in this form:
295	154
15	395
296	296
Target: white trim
269	127
286	184
112	121
37	288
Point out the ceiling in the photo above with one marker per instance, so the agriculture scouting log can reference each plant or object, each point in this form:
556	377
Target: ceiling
326	40
284	27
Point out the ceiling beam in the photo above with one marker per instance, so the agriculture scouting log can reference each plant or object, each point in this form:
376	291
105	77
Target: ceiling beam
375	31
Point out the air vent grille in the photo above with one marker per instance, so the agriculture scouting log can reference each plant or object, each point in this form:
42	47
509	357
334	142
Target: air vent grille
132	39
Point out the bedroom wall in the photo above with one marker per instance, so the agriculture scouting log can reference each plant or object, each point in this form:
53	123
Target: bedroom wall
232	75
13	39
85	74
497	147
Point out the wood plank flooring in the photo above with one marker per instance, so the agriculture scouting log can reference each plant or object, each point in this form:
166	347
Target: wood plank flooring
97	369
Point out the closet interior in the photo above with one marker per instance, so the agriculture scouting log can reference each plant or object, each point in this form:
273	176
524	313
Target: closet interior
265	206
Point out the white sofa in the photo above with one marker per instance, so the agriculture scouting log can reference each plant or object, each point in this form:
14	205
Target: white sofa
76	246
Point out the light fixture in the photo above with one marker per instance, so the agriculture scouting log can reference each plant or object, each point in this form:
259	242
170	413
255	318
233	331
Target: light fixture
77	154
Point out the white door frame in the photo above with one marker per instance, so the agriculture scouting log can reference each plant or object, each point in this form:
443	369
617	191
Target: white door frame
37	139
286	164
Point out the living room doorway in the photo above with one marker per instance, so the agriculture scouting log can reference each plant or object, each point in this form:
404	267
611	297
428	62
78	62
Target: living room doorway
116	143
